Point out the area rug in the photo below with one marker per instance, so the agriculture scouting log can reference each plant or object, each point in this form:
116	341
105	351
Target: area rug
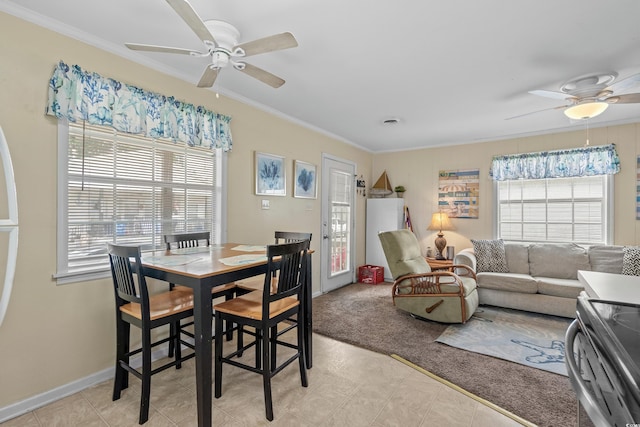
530	339
364	315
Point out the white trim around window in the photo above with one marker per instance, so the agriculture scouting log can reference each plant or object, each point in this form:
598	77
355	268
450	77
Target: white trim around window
130	189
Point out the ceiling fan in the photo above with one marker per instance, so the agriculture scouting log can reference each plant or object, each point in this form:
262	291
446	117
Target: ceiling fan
589	96
221	42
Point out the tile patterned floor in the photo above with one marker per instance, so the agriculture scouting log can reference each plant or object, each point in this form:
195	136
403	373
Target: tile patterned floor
348	386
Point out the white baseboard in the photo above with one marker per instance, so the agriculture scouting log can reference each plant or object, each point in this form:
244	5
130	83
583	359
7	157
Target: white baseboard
19	408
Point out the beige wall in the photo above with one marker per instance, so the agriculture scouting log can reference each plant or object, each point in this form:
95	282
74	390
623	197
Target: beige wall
418	170
53	335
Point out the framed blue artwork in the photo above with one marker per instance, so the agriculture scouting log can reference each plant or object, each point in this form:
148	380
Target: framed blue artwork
270	175
304	180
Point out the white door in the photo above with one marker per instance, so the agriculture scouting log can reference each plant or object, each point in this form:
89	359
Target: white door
337	223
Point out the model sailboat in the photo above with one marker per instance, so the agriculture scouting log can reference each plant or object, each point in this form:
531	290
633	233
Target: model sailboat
382	187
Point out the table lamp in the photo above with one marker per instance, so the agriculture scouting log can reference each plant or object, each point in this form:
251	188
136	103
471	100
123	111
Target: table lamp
440	221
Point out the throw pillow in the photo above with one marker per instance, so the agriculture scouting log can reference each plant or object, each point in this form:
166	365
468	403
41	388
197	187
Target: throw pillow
490	256
631	261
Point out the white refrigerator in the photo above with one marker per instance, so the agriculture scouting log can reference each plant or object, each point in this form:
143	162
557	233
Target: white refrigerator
382	215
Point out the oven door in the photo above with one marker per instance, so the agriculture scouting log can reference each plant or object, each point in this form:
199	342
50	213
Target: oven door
598	391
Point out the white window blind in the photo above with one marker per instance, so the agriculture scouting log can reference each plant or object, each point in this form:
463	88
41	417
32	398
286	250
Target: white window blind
129	189
555	209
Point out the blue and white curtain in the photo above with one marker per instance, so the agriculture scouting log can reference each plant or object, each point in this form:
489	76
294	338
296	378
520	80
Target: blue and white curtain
586	161
75	94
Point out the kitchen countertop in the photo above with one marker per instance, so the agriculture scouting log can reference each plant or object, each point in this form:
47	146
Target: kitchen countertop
611	287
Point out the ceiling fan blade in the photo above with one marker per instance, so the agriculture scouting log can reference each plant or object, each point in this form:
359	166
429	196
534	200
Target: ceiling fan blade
208	77
193	20
260	74
551	94
630	98
539	111
268	44
163	49
625	84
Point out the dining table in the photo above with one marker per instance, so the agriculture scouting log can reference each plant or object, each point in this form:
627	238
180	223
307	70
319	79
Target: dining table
201	269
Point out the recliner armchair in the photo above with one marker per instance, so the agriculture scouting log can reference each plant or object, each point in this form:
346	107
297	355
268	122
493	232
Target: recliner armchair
442	295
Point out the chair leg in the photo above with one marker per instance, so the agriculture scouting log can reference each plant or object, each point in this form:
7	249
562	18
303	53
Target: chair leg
302	360
218	356
146	376
172	333
120	381
172	329
273	343
229	323
178	346
240	343
259	356
266	374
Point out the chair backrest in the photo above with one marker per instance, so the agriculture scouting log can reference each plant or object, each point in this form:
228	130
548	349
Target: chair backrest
402	250
128	289
187	240
290	259
291	236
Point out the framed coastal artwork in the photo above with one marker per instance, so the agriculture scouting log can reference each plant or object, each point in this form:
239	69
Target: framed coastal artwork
304	180
270	175
458	193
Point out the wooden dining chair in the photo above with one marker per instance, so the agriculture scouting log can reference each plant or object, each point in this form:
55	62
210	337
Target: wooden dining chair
194	240
255	283
263	311
134	306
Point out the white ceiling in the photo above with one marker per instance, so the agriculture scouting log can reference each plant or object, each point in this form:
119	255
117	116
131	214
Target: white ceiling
451	71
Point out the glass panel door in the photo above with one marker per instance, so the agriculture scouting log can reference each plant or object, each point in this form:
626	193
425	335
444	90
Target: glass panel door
337	202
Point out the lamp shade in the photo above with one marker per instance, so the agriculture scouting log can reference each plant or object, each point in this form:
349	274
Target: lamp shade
440	221
586	110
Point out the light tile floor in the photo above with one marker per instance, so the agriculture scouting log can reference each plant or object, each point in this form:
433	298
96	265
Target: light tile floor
348	386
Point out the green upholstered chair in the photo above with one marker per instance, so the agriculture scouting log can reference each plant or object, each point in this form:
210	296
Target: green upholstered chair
442	295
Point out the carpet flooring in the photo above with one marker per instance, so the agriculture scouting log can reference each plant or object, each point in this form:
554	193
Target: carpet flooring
364	315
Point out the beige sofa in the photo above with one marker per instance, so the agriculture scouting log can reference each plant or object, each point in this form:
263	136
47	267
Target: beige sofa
539	277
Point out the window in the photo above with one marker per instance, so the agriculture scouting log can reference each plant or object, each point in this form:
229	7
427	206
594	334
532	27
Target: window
129	189
555	209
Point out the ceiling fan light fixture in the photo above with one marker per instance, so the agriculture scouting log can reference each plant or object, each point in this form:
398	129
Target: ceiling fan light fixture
586	110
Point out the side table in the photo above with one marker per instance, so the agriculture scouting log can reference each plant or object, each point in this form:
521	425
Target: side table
439	264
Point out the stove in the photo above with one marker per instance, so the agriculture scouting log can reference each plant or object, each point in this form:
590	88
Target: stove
605	367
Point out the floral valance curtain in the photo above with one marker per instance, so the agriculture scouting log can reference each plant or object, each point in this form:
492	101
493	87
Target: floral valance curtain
586	161
75	94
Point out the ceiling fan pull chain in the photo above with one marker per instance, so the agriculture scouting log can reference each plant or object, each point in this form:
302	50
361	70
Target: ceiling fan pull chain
587	124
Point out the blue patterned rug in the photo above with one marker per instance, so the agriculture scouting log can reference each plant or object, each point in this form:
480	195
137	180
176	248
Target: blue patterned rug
530	339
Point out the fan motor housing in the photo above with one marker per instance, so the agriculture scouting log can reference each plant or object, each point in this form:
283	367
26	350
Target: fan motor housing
226	35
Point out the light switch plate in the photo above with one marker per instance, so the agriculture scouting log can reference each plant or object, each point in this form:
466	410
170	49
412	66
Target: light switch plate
265	204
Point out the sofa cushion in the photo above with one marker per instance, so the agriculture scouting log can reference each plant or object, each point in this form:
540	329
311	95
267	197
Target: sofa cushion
510	282
565	288
631	261
606	258
559	260
517	255
490	256
468	286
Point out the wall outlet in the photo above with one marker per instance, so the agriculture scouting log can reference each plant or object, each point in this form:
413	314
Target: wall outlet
265	204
